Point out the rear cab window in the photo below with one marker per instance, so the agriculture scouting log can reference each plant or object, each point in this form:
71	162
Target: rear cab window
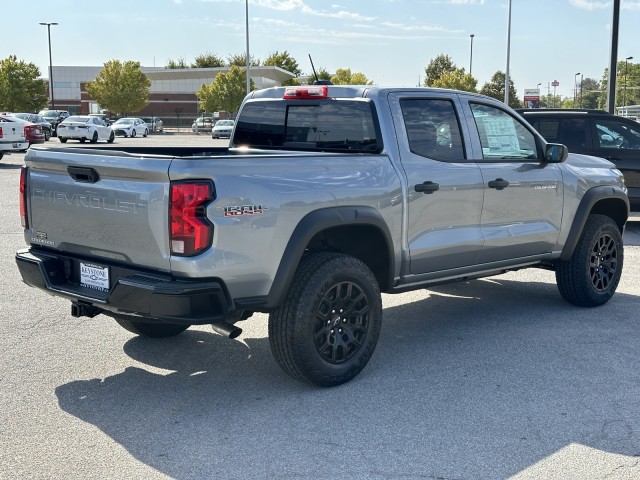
334	125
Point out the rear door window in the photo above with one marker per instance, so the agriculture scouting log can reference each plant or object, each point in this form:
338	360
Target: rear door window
571	132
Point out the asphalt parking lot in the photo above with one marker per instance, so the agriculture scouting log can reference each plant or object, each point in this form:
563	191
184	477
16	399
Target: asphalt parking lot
490	379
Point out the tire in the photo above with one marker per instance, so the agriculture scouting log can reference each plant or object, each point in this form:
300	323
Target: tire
94	139
47	135
311	338
590	277
82	140
146	132
62	140
133	133
151	330
112	137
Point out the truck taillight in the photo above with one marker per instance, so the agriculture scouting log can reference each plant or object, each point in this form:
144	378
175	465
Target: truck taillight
191	231
0	132
23	197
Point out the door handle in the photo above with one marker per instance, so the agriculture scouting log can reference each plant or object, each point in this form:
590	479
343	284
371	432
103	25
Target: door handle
498	183
427	187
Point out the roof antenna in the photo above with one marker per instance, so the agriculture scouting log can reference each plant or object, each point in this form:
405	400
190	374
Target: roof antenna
317	81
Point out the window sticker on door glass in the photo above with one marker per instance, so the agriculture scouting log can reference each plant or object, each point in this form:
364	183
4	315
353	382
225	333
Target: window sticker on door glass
501	134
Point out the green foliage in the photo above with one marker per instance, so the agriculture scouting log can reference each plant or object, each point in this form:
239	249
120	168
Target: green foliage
495	89
208	60
456	80
588	94
176	64
283	60
120	87
226	92
240	60
437	67
20	88
344	76
627	85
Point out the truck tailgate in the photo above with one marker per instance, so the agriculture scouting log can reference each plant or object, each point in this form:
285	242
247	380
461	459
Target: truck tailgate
100	204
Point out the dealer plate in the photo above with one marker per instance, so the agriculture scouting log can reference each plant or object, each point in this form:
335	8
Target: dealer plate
94	276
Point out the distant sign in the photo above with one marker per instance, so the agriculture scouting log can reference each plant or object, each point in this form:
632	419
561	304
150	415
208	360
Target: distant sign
532	98
555	83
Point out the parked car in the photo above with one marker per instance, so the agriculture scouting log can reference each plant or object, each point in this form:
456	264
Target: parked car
154	124
203	124
83	128
107	121
222	128
597	133
130	127
33	133
54	117
39	119
12	137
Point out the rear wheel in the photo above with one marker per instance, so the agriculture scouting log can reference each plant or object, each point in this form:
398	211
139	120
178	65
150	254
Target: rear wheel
327	328
62	140
146	132
152	330
133	132
82	140
590	277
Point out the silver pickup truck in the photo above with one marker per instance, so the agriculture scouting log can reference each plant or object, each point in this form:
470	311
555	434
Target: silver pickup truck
327	196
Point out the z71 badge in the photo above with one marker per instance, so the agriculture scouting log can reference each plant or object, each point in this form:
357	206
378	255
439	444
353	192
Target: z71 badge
236	211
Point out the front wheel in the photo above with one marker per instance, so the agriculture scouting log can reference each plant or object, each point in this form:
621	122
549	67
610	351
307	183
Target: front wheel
94	138
112	137
327	328
146	132
590	277
47	135
133	133
152	330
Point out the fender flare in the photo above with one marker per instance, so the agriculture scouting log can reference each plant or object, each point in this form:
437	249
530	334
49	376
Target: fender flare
310	225
586	207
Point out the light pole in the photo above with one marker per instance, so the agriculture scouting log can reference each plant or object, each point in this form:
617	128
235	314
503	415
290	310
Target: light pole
471	53
506	75
48	24
246	14
575	87
626	78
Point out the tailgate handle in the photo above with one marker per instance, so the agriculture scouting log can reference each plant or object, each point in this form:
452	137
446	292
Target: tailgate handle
83	174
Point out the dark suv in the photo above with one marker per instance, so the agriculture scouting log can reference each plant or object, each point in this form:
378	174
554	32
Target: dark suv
597	133
54	117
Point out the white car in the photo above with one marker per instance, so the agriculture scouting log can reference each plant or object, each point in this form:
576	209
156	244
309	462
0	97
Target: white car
83	128
12	136
222	128
130	127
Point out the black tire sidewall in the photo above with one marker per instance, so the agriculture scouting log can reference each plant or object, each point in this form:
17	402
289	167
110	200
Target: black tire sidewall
310	364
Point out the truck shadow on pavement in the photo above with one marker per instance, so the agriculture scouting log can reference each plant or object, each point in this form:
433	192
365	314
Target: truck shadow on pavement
459	387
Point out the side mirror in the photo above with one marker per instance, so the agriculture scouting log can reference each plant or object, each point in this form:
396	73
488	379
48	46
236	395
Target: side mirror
556	153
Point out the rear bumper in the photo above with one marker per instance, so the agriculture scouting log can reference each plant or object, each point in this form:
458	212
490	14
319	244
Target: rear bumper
154	296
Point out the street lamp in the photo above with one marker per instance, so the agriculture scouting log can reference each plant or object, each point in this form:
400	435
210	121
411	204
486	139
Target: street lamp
48	24
471	53
246	15
626	78
575	87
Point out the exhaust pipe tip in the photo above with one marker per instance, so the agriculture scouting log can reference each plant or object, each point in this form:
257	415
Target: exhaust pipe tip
226	329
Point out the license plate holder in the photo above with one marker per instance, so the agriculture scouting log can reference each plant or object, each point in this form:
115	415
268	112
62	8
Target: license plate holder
95	277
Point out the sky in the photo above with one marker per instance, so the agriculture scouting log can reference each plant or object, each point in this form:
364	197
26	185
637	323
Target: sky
390	41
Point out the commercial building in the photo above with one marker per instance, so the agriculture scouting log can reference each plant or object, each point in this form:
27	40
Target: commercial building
172	95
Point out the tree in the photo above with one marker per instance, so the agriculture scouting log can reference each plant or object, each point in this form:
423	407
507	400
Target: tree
176	64
437	67
283	60
20	88
240	60
589	93
629	77
344	76
226	92
120	87
457	80
208	60
495	89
